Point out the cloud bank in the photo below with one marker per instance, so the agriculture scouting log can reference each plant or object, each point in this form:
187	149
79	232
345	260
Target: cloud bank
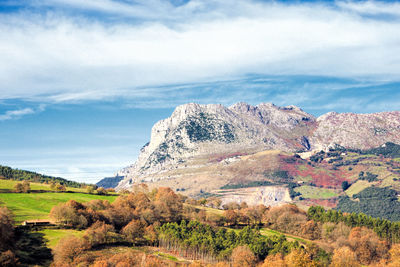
63	51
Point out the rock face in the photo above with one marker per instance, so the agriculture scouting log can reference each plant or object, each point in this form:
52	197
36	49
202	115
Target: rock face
266	195
195	131
109	182
361	131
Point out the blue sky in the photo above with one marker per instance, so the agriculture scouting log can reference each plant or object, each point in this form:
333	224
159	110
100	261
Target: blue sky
82	82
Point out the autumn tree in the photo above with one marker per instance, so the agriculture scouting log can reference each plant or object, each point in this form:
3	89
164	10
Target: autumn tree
215	219
299	258
100	233
133	231
60	187
287	218
26	186
394	253
231	206
231	217
275	260
242	256
168	205
367	245
214	202
255	213
344	257
67	249
151	235
90	189
311	230
101	191
18	188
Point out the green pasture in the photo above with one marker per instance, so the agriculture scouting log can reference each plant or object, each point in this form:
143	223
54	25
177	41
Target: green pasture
31	206
10	184
52	236
312	192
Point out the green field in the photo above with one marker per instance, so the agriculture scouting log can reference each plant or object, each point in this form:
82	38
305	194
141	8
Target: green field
31	206
10	184
52	236
312	192
269	232
357	187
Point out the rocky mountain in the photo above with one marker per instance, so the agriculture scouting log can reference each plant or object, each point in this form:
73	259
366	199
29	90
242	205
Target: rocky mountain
198	142
109	182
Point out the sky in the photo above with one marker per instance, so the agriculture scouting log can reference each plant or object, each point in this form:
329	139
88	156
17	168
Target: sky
82	82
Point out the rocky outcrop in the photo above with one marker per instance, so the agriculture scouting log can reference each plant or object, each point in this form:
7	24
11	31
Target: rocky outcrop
266	195
193	132
109	182
361	131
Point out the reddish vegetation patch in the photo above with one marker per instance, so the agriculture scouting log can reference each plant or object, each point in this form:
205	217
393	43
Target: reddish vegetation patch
220	157
321	174
329	203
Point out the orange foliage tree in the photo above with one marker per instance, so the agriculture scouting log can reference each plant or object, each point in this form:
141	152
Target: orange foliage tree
242	256
344	257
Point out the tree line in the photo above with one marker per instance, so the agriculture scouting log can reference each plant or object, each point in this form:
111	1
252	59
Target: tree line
384	228
21	175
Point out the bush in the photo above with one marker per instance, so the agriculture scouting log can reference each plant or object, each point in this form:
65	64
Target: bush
101	191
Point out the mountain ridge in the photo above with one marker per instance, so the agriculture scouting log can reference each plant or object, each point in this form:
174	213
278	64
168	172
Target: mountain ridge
194	132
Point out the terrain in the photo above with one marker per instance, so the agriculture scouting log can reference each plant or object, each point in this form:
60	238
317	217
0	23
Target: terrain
37	204
273	155
202	148
161	228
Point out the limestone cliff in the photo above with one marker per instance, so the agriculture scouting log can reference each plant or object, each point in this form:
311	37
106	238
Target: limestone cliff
194	130
194	134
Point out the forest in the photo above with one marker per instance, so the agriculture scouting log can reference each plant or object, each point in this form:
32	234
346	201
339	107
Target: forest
377	202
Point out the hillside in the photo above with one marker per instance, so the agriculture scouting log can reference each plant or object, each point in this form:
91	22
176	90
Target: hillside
202	140
271	155
23	175
37	203
109	182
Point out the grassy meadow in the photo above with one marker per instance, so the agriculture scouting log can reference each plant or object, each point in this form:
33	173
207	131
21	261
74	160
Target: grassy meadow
312	192
8	185
32	206
52	236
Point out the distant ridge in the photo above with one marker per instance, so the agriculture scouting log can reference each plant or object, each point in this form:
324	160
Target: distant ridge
21	175
109	182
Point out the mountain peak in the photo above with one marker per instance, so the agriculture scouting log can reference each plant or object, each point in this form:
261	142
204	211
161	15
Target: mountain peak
196	131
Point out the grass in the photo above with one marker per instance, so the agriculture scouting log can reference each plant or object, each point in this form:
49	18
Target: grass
357	187
269	232
166	256
302	167
31	206
10	184
312	192
208	209
52	236
307	178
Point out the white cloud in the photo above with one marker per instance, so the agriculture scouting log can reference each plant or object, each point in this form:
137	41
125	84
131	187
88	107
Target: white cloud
12	114
59	57
371	7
